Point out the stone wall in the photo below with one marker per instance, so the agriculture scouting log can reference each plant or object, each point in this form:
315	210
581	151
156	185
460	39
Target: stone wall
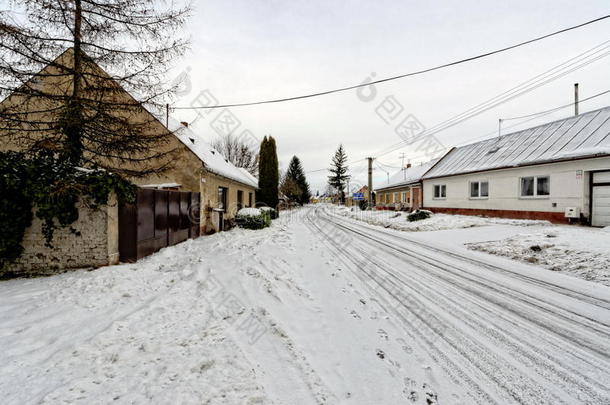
97	244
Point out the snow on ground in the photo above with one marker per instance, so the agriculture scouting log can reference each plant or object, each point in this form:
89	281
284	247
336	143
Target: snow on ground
312	310
581	252
240	317
577	251
398	220
134	333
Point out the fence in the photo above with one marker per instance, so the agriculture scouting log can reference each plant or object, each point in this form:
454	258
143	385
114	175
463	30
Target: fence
157	219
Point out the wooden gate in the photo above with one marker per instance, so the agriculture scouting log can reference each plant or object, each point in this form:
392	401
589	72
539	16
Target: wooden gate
157	219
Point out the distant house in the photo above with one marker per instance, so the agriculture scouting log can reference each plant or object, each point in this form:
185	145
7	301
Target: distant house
554	171
404	189
350	200
197	194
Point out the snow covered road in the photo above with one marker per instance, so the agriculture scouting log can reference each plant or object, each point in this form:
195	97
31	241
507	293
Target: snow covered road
508	336
317	309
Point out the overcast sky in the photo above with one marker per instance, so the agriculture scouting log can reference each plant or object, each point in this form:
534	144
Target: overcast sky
254	50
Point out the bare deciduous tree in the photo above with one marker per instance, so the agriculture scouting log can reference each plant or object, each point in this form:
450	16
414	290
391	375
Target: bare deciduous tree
238	152
64	66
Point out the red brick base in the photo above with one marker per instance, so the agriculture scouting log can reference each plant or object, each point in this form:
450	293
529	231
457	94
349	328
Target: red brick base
554	217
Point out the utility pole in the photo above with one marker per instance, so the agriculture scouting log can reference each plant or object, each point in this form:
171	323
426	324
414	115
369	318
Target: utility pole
575	98
499	127
370	205
402	156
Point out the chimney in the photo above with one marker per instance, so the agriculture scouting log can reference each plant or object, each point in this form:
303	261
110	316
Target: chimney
408	165
575	98
184	124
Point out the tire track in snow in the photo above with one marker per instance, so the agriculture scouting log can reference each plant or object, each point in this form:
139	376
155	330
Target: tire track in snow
571	380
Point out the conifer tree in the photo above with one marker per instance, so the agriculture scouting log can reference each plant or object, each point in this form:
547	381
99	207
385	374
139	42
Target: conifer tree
338	170
65	64
268	173
296	175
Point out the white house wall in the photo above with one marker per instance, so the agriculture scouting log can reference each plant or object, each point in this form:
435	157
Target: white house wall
567	188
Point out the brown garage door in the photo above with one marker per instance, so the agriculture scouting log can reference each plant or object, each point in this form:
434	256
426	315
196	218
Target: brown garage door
157	219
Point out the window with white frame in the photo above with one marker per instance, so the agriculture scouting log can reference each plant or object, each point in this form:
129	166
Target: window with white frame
404	197
440	191
535	186
479	189
395	197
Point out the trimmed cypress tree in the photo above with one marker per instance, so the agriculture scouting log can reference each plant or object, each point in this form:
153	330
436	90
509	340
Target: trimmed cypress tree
297	176
268	173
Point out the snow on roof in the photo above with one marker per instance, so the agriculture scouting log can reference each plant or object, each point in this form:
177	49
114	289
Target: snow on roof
248	174
585	135
409	175
213	160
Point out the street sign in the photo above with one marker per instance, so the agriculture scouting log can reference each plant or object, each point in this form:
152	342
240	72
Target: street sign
358	196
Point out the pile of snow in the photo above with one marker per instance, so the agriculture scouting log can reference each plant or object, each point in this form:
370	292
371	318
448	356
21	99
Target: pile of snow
581	252
266	209
250	212
437	222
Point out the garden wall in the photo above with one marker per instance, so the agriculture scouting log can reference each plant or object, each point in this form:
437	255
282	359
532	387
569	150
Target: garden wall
97	245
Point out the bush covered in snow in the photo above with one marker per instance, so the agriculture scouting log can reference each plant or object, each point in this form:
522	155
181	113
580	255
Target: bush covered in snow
252	218
272	212
418	215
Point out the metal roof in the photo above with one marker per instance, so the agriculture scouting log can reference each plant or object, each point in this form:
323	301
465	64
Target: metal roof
585	135
408	175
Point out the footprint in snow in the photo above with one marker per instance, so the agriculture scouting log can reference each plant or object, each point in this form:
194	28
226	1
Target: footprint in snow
355	314
405	347
382	334
381	354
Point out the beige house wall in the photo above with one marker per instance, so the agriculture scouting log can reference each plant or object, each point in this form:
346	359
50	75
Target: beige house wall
388	198
98	244
209	200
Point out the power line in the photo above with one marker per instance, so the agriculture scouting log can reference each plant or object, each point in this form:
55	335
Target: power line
414	73
530	117
556	108
510	94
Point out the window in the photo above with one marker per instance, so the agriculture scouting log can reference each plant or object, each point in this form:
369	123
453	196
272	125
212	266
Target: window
404	197
535	186
240	199
542	186
479	189
395	198
440	191
222	198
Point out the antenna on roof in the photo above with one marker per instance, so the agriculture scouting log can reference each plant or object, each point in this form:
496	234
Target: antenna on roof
499	127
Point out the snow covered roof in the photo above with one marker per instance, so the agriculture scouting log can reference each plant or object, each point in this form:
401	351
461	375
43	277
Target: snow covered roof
407	176
213	160
585	135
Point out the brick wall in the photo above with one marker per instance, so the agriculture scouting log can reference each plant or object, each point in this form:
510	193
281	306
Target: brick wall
554	217
96	246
